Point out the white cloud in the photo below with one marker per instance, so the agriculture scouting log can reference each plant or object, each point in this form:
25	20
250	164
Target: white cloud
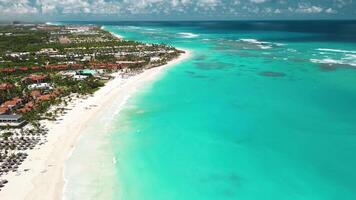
340	3
124	8
78	7
331	11
258	1
305	8
13	7
277	11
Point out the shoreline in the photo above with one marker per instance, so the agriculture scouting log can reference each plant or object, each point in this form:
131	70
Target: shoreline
112	33
41	176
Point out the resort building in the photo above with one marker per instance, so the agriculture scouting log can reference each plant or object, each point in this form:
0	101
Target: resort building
123	62
13	121
64	40
4	110
35	94
6	86
47	51
9	105
27	108
40	86
35	78
37	98
45	97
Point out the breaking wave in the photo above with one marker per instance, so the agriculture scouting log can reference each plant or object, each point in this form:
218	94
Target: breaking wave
261	44
188	35
336	56
334	61
336	50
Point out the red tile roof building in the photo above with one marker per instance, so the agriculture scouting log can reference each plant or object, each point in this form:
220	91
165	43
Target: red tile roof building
35	78
27	108
7	106
35	94
6	86
4	110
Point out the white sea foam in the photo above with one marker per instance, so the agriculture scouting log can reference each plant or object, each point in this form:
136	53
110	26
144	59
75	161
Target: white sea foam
188	35
336	50
325	61
151	29
336	56
324	53
53	23
264	47
130	27
350	56
334	61
260	44
114	161
292	50
254	41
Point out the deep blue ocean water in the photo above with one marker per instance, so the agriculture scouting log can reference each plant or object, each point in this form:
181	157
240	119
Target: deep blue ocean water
261	110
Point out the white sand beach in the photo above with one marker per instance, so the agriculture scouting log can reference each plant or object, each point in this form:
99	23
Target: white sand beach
114	34
40	177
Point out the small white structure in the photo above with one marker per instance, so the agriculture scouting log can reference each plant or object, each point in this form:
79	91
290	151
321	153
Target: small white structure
129	62
100	71
40	86
68	73
47	51
80	77
86	58
155	59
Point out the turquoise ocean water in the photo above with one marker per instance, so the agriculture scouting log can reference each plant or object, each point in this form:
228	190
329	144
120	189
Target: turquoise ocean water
261	110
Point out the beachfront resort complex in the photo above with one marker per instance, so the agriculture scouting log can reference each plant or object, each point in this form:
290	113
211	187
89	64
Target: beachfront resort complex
177	99
44	67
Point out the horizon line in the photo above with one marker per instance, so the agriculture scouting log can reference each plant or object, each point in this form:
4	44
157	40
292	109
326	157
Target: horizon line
181	20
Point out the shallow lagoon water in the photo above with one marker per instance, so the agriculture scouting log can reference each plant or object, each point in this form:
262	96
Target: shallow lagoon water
255	113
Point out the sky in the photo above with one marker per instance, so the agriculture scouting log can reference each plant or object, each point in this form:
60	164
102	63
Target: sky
49	10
